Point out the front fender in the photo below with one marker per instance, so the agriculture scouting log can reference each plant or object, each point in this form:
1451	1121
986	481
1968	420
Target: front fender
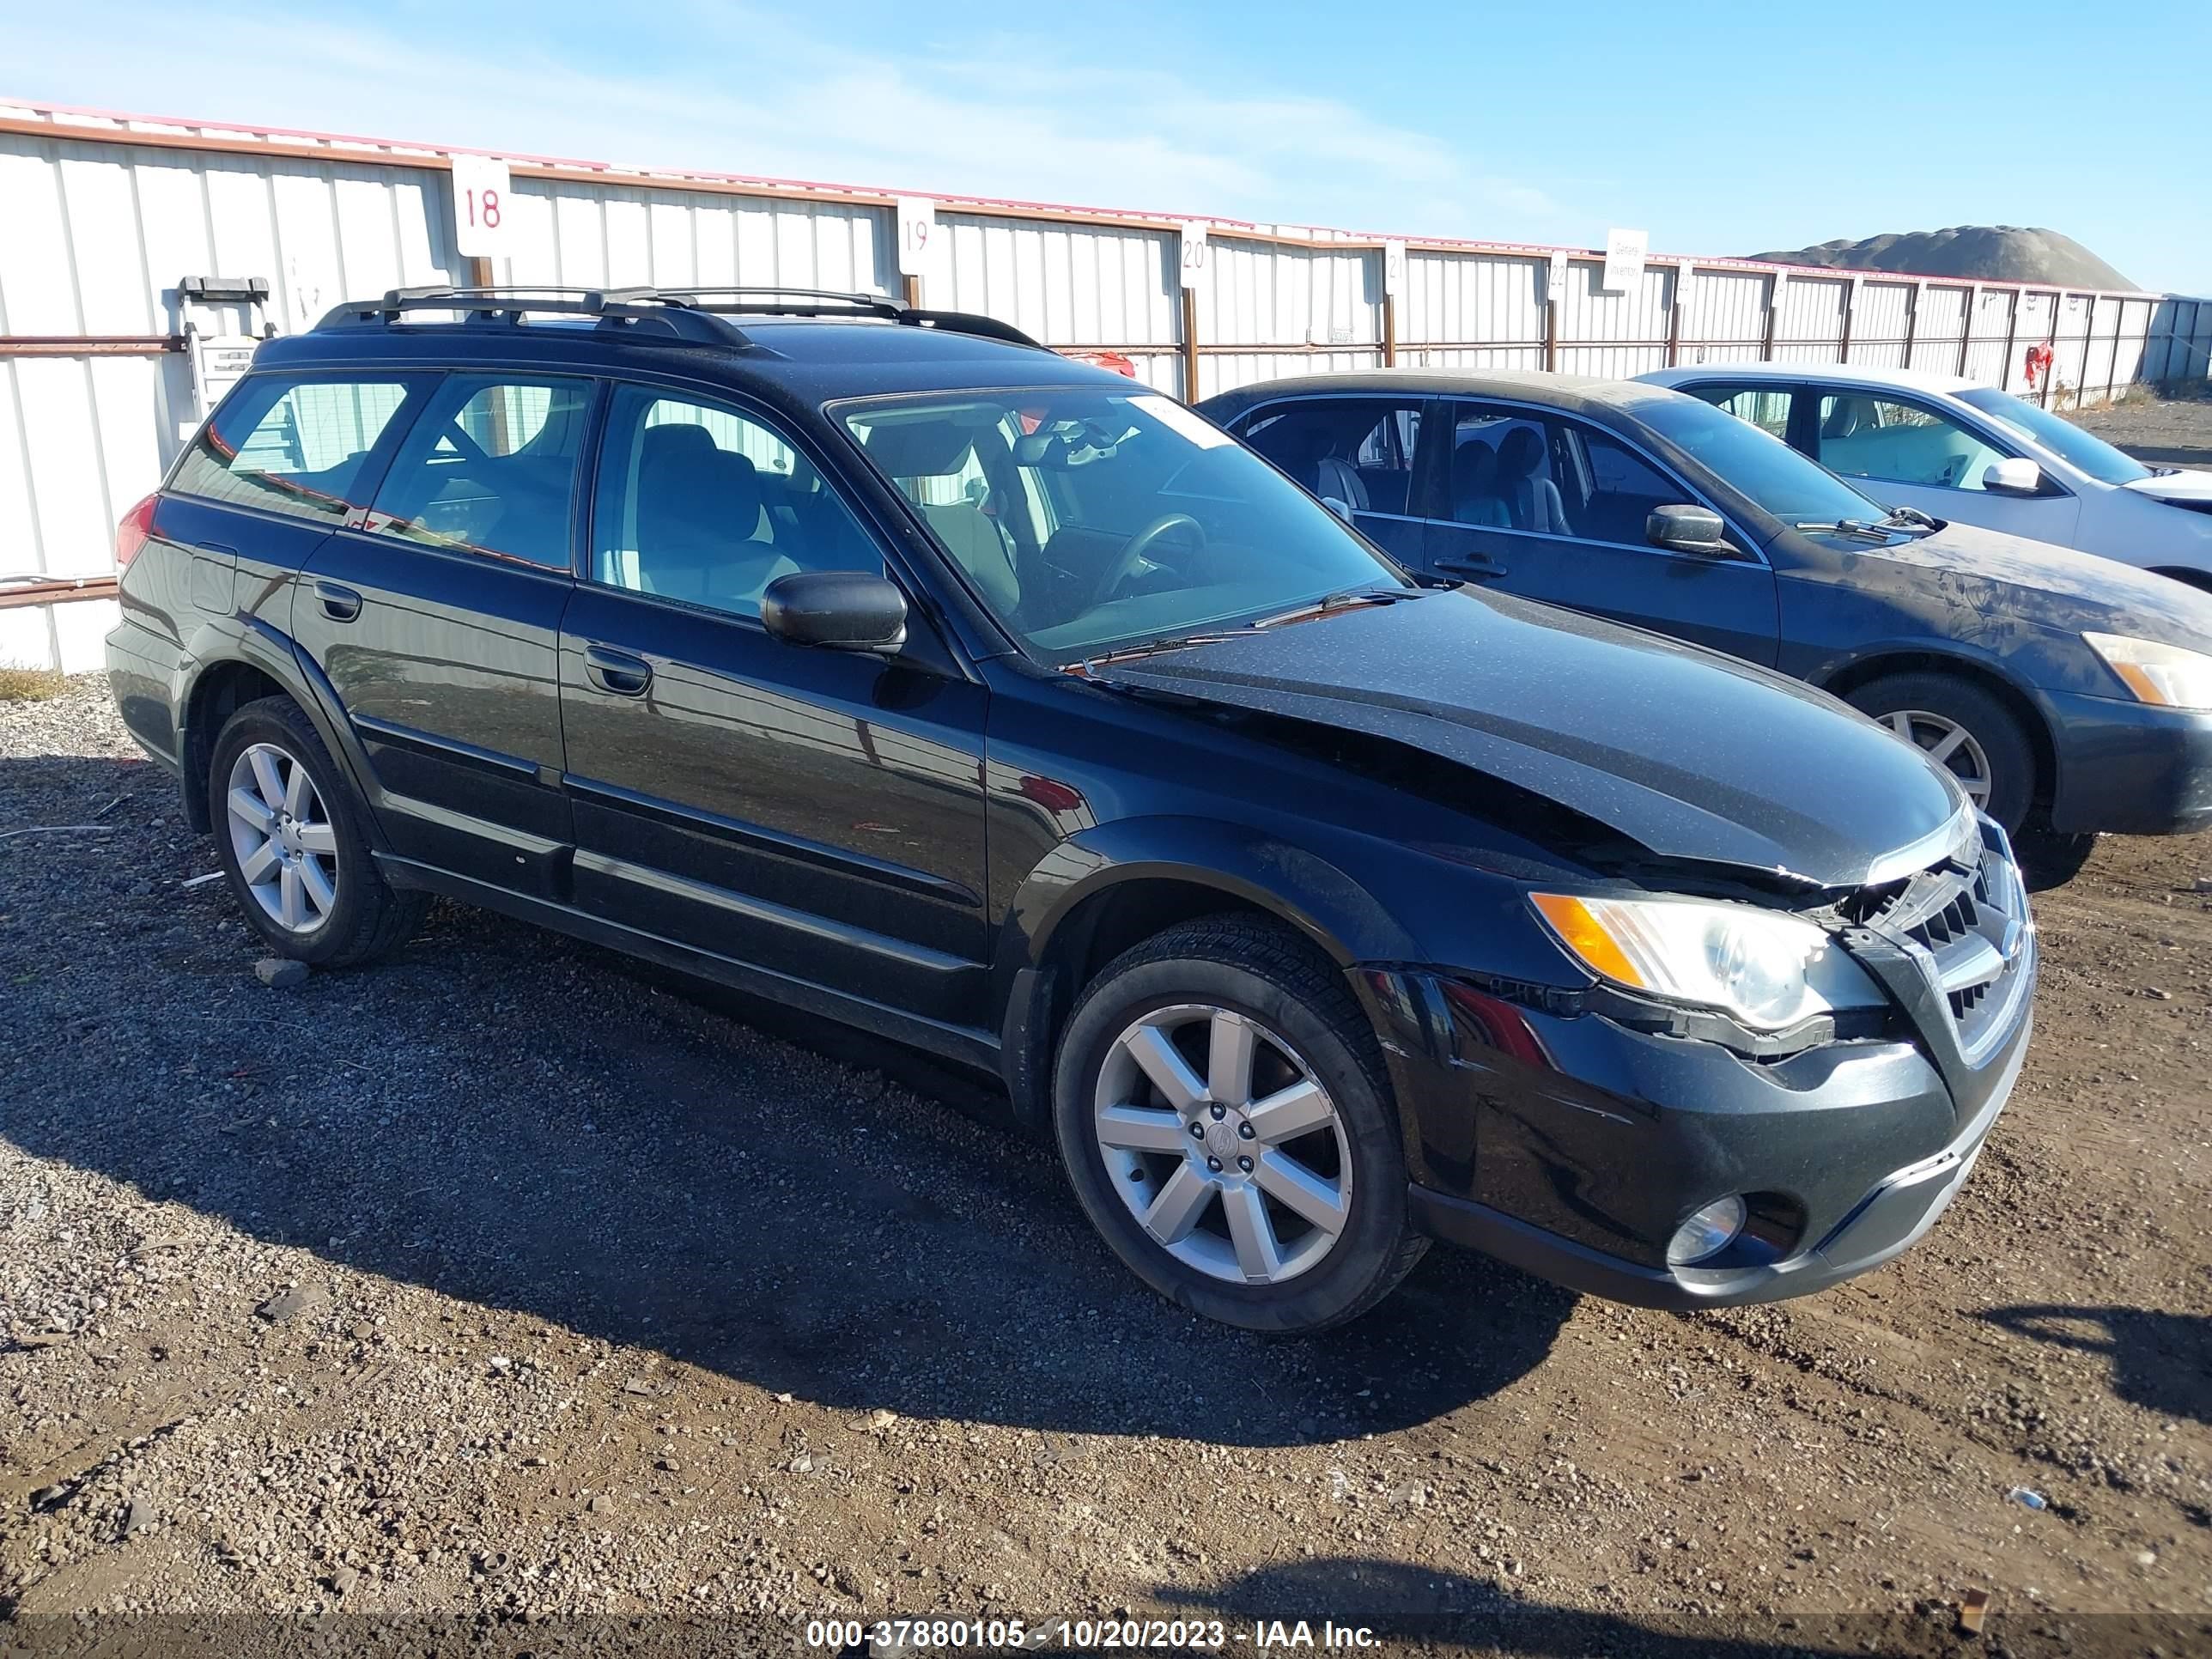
1317	897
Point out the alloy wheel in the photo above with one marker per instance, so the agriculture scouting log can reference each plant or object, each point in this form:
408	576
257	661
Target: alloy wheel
1949	745
286	845
1223	1144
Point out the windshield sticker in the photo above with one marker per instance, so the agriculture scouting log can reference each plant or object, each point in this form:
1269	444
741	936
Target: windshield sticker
1173	416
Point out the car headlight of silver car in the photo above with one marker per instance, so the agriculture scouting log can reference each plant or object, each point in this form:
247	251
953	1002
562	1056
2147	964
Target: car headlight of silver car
2164	675
1767	970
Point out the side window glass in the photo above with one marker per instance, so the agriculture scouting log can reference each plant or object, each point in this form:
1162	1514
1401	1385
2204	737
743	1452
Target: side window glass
489	468
1357	450
1502	472
700	503
1865	437
1765	408
296	446
1623	490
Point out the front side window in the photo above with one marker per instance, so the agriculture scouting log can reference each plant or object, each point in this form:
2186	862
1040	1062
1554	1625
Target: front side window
2058	434
489	468
1758	467
295	446
1502	471
1867	437
1090	518
1357	450
700	503
1765	407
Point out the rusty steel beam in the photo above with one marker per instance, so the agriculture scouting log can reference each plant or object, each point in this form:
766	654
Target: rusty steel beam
58	591
89	346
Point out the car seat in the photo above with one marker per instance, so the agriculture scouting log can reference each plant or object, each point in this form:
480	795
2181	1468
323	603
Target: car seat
699	523
1475	494
911	451
1532	503
1335	477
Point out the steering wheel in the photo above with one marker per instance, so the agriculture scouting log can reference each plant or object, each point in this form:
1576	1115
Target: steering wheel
1133	551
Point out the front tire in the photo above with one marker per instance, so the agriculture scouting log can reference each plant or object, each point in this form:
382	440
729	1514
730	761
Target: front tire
1963	728
289	834
1224	1118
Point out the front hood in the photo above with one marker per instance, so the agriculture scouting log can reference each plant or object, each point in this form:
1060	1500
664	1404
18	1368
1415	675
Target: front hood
1692	755
2000	578
2187	488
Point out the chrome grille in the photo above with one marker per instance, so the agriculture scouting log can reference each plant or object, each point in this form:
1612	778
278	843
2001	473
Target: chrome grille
1969	918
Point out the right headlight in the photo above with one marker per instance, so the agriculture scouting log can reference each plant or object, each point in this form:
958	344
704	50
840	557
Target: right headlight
1768	970
2166	675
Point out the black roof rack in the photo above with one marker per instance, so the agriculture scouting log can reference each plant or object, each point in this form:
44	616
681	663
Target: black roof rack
695	314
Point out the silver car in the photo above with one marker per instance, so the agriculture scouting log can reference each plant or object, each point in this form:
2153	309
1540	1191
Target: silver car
1959	450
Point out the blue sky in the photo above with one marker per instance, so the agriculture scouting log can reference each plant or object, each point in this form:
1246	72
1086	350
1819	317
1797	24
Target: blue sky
1718	128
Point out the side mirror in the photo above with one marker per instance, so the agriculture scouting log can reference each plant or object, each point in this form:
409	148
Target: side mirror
1342	509
1686	530
836	610
2013	476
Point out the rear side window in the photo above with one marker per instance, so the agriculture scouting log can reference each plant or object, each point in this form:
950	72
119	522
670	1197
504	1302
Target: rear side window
1358	451
490	468
295	446
1765	407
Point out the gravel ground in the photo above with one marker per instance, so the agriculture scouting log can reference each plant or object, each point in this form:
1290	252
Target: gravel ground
510	1300
2158	431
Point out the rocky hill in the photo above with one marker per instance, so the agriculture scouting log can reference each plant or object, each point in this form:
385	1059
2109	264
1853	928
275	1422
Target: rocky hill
2008	253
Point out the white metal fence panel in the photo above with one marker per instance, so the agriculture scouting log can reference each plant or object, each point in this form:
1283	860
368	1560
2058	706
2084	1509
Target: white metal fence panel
1880	323
1723	315
1273	294
1986	347
1810	329
1616	333
1472	310
1940	326
1098	287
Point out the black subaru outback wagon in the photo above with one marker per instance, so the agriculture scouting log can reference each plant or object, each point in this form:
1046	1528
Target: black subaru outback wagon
884	663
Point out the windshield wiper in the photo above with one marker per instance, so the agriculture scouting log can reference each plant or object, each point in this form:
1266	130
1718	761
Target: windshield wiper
1342	601
1908	518
1088	667
1858	527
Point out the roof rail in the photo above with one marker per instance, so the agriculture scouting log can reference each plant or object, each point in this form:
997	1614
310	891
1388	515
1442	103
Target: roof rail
771	301
688	314
510	305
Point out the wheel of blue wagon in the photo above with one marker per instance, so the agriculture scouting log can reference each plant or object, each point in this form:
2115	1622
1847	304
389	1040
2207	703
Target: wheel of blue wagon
1224	1118
289	836
1964	729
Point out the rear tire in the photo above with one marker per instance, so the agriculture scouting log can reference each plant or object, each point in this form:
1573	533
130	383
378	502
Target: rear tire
1940	709
1313	1230
293	848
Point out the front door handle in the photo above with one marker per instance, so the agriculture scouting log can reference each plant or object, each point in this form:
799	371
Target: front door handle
339	604
616	670
1473	570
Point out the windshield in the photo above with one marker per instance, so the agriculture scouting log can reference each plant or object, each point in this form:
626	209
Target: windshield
1090	518
1758	464
2059	435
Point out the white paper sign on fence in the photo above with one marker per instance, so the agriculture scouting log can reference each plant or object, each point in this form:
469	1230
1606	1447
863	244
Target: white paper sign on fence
482	211
917	232
1193	251
1624	259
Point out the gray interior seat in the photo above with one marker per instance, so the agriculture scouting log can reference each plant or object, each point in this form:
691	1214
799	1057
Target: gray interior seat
1335	477
1533	503
912	451
1475	499
698	522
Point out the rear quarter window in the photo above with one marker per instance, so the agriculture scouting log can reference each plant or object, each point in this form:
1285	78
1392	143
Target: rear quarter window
290	445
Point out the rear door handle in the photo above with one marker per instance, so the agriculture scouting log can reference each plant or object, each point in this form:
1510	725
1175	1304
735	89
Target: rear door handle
221	550
339	604
617	670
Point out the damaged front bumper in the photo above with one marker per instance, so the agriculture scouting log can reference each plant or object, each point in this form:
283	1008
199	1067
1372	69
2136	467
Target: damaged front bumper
1573	1146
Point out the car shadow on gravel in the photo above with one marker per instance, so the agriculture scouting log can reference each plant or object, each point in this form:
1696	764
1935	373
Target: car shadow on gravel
2161	1362
1402	1603
528	1123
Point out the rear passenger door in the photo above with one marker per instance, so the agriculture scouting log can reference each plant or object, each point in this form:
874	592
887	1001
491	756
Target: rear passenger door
1554	508
435	616
1359	453
815	813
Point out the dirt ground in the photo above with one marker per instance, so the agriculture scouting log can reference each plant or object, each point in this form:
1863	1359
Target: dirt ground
2157	431
506	1299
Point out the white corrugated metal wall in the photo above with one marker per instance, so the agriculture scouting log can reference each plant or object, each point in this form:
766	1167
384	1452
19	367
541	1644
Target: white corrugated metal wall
106	215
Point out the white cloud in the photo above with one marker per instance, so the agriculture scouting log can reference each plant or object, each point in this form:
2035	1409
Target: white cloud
763	93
